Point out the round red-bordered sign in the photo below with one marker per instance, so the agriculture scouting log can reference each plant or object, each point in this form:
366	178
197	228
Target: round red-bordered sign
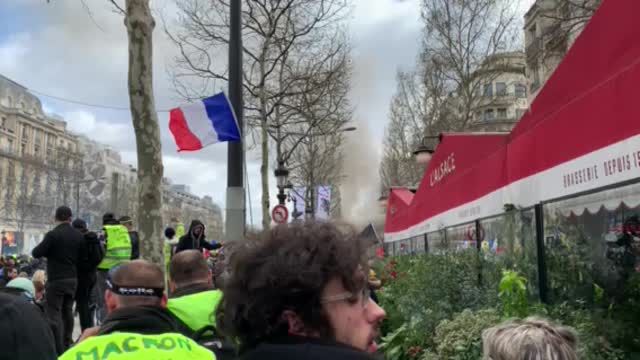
280	214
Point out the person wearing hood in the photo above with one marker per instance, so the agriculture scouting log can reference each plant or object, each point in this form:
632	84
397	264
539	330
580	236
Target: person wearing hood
195	239
137	326
90	255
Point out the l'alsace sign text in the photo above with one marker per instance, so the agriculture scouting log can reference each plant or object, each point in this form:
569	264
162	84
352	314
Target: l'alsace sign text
443	169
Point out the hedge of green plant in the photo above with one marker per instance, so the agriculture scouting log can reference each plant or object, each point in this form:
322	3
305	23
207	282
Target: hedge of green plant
438	305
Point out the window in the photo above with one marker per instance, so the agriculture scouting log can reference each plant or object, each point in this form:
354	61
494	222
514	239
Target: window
25	132
521	91
36	150
502	113
489	115
3	122
23	149
501	89
488	90
10	145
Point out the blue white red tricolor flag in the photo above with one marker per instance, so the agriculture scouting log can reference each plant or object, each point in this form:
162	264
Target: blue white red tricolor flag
203	123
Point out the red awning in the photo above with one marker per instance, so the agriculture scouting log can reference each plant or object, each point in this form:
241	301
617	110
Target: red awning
581	133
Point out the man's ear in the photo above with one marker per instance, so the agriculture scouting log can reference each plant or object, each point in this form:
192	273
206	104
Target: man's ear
163	302
295	324
111	300
172	286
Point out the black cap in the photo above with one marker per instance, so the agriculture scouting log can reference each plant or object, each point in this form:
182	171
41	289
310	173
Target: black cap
108	218
79	224
169	232
63	213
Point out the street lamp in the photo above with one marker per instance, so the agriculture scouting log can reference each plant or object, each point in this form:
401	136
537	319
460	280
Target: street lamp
282	175
383	200
424	153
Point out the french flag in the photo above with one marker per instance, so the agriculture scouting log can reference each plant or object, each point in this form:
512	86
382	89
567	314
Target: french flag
203	123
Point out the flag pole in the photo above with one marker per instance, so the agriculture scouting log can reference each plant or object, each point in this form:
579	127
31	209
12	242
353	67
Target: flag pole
235	210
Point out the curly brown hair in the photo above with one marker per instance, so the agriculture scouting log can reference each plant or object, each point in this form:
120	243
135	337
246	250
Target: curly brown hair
287	268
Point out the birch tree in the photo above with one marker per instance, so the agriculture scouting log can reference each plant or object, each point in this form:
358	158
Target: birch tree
274	33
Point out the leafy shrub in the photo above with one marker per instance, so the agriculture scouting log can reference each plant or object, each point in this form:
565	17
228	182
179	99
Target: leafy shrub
428	289
461	337
513	294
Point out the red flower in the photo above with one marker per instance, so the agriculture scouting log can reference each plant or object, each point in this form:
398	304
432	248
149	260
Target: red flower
414	351
393	275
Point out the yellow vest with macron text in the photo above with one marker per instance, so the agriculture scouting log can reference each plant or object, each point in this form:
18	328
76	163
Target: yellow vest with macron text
118	247
130	346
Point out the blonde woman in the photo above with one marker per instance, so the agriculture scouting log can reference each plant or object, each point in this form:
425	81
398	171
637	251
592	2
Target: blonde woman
529	339
39	280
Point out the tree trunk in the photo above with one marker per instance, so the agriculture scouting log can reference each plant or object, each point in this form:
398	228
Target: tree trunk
264	173
140	24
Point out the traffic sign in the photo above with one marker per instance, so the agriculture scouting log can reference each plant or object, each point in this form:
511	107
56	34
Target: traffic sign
280	214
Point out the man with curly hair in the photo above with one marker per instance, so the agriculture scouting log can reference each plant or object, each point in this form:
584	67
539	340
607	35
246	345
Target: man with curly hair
300	291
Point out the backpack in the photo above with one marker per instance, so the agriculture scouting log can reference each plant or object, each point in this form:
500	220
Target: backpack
209	338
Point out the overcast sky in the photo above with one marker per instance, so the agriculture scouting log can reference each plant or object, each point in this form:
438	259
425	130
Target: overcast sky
59	49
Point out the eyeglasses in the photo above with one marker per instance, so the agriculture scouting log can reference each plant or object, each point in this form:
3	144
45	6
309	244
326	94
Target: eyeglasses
364	295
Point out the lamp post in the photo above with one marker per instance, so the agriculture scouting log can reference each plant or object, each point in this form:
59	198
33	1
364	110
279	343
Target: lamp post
282	175
235	219
424	152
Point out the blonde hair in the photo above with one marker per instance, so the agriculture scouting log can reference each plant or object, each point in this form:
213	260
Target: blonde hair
39	279
529	339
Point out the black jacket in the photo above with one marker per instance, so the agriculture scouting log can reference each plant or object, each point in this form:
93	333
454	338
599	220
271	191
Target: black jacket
60	246
24	329
145	320
301	348
189	241
135	245
90	254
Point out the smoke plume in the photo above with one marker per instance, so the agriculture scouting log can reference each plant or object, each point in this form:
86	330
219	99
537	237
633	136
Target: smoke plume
360	189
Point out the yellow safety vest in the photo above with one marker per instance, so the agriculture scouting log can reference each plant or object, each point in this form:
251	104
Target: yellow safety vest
167	253
130	346
196	310
118	247
179	230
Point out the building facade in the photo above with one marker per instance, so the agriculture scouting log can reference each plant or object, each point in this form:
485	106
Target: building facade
503	93
109	184
551	27
43	166
40	165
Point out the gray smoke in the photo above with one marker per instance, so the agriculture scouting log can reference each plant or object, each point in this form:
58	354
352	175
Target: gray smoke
360	189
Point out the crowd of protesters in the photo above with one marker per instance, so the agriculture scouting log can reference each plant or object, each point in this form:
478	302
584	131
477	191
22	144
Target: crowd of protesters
300	291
